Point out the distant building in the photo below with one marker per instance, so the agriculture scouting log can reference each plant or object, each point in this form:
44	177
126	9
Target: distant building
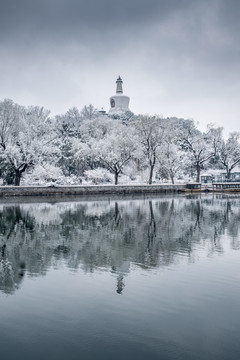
102	112
119	103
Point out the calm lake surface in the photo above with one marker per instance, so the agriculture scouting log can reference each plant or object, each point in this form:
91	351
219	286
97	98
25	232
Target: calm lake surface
154	278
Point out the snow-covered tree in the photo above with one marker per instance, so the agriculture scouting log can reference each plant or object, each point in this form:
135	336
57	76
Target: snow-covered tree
229	152
89	112
8	118
115	147
68	124
83	146
104	142
200	146
172	161
72	117
67	127
150	137
123	115
96	128
29	140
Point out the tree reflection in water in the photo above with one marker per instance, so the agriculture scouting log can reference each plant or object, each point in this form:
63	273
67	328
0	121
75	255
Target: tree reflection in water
111	234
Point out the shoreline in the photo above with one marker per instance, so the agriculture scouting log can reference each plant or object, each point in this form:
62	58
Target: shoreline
119	190
70	190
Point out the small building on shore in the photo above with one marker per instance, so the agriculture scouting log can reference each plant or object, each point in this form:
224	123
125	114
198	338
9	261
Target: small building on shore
220	178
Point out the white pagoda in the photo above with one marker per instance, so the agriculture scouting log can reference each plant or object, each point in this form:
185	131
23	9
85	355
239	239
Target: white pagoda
119	102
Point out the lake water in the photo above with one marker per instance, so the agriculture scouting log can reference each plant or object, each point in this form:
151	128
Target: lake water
153	278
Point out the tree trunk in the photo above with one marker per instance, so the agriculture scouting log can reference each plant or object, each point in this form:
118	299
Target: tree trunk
172	178
228	171
198	173
116	177
151	174
138	165
17	177
18	174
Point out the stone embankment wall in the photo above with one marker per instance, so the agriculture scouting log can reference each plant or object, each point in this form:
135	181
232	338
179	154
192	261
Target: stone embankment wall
88	190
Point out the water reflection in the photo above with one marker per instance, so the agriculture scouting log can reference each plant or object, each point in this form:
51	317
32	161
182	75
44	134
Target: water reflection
111	235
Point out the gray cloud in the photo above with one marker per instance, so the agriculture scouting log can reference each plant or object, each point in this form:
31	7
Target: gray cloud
174	55
204	29
60	14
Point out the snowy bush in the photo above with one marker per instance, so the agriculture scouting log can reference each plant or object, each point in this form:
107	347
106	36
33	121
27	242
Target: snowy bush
43	174
47	174
98	176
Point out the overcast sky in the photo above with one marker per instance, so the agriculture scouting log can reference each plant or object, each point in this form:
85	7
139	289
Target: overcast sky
176	57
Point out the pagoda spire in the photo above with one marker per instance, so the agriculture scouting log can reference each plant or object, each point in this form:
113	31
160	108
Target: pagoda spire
119	89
